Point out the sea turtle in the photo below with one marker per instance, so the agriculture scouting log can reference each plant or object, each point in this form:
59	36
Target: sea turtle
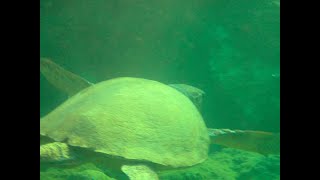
135	125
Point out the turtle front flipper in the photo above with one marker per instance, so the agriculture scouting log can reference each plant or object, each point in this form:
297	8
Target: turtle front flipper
55	152
255	141
139	172
62	79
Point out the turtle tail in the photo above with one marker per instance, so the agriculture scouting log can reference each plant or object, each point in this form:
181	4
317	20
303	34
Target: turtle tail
255	141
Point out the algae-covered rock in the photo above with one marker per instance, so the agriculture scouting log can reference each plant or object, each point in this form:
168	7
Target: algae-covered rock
266	169
84	172
230	164
89	174
223	164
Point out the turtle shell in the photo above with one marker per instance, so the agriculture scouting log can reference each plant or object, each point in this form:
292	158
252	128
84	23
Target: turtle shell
133	118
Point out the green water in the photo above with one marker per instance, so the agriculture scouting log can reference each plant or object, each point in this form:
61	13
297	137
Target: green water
228	48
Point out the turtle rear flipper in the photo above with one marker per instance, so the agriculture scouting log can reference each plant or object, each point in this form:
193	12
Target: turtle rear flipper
62	79
256	141
139	172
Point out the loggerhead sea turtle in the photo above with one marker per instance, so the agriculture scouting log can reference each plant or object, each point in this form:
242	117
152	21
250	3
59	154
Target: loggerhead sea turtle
137	125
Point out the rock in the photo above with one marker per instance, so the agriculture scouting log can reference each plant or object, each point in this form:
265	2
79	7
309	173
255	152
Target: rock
222	164
86	171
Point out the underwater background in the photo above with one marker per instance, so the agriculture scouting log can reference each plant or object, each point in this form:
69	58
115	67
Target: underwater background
228	48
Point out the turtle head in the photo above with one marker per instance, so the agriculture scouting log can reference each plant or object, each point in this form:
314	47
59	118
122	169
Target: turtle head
193	93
